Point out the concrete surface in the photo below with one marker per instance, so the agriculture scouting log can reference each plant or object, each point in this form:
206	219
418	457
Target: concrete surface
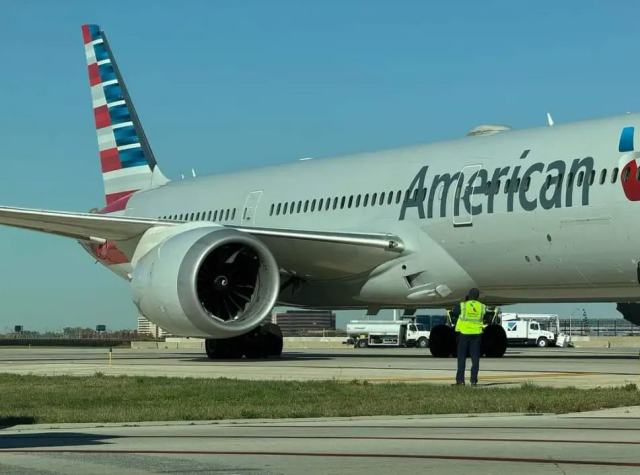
548	366
589	443
291	343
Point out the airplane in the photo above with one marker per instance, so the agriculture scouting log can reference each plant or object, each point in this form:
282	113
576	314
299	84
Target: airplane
544	214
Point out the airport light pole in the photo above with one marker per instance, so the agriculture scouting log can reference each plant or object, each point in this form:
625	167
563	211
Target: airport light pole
584	312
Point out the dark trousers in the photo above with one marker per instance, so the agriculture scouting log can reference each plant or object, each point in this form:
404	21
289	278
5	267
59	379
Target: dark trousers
468	345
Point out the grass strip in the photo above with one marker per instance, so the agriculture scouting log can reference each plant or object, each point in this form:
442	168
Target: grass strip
59	399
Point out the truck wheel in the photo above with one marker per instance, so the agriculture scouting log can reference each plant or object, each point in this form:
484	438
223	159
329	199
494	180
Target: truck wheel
362	344
422	343
442	341
494	341
543	342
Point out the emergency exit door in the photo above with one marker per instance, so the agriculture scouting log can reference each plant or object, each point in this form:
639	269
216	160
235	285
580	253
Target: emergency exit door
250	208
463	196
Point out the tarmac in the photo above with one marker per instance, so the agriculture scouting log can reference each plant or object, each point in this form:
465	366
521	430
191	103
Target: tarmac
588	443
584	368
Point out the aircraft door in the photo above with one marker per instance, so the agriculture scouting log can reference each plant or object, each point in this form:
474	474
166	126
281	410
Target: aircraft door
250	208
463	195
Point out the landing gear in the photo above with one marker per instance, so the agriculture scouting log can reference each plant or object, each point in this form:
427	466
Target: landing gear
264	341
442	341
494	341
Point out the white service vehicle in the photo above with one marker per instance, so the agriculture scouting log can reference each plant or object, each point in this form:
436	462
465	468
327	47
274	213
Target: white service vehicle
365	333
526	331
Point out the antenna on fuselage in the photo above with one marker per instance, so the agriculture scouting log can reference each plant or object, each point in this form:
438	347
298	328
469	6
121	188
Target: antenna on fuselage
193	172
549	119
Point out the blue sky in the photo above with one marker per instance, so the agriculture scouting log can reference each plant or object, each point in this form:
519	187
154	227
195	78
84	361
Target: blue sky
223	85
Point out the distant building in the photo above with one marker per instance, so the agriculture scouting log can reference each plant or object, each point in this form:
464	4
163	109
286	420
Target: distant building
305	322
147	327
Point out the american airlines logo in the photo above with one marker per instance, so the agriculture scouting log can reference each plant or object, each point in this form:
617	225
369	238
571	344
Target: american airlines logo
476	194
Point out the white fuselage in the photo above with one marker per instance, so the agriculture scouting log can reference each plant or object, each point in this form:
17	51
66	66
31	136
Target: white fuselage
546	241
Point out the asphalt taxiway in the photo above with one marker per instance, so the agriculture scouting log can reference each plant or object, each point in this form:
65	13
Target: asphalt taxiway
548	366
588	443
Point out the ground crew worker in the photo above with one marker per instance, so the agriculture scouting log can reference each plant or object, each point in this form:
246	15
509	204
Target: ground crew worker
469	333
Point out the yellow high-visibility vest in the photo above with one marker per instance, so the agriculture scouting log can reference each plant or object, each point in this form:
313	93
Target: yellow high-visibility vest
471	317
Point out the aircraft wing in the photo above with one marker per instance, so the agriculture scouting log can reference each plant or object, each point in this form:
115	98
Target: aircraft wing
298	252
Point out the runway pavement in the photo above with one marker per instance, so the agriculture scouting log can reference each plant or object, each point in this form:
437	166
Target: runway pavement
592	443
548	366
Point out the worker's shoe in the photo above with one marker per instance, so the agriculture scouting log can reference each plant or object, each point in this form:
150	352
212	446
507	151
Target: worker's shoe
474	384
457	384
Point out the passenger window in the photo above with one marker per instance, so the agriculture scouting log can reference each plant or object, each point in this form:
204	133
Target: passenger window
487	188
614	175
381	198
320	204
424	194
626	173
277	210
192	216
226	216
390	198
374	198
547	182
517	184
350	201
335	203
358	201
306	206
507	185
580	179
299	206
313	206
215	213
527	184
198	216
209	216
398	196
592	177
569	179
233	215
603	176
366	200
284	209
342	202
560	178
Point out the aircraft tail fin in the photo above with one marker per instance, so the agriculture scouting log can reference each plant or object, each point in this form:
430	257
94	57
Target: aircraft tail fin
126	158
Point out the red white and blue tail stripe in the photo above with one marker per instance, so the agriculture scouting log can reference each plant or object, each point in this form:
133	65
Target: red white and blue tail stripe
128	164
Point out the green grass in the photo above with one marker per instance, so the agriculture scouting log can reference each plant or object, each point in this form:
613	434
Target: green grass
58	399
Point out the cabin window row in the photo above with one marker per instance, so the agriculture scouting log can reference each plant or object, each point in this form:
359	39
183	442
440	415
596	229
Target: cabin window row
215	215
384	198
557	180
326	204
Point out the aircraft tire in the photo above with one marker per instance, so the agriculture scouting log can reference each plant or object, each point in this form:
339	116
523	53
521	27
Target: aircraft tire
273	341
494	341
217	349
442	341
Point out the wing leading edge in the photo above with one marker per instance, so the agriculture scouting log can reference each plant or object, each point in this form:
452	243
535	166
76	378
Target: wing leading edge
298	252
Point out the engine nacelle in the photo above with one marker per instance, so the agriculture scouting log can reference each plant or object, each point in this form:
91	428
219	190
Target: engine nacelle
207	281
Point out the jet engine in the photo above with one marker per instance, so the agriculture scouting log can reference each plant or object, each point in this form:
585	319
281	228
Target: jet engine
207	281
